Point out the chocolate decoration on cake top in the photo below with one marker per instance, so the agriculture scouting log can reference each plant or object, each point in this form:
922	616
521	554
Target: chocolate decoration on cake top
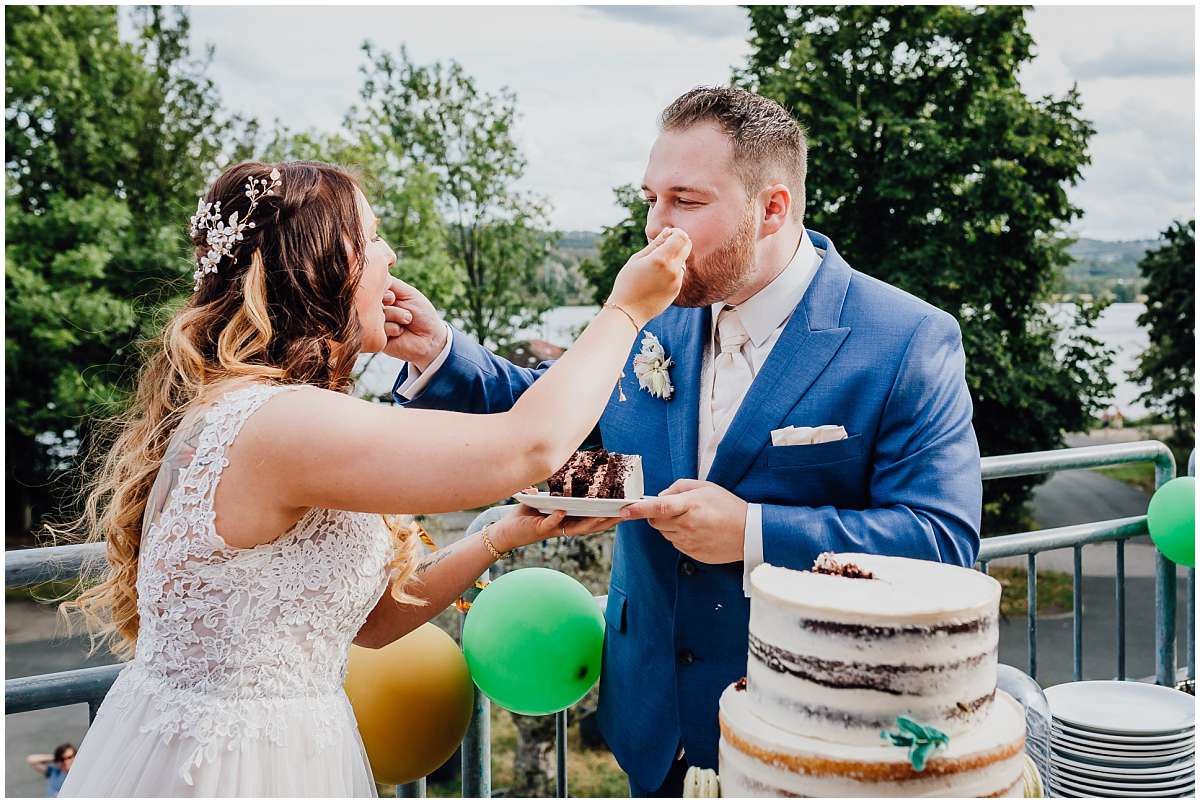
826	564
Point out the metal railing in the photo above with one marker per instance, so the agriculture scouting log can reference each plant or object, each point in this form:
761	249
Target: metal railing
28	567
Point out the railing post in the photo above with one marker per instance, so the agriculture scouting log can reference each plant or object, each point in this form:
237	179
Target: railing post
1164	617
477	750
1120	583
1031	612
560	749
414	789
1164	590
1077	615
1191	623
477	744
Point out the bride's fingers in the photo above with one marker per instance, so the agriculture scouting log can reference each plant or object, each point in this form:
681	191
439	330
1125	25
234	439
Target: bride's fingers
578	526
551	524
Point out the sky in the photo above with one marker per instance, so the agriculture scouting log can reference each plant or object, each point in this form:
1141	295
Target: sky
590	82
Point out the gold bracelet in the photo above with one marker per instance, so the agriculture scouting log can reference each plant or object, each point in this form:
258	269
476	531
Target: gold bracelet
487	542
627	315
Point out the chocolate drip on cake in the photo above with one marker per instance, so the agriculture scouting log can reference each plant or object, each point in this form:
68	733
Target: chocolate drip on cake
894	679
827	564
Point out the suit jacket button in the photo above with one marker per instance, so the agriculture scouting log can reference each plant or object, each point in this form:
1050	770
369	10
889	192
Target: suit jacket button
687	568
686	658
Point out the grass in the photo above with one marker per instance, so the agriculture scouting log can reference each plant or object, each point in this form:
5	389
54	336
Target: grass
1054	591
590	773
44	593
1139	475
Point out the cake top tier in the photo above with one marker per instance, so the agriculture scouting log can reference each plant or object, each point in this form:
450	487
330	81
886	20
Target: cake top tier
879	589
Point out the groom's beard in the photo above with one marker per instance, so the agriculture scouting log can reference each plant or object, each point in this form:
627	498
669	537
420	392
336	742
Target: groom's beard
722	273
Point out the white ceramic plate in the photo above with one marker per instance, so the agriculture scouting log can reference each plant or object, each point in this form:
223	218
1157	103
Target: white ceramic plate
1103	791
576	505
1117	761
1104	749
1122	706
1117	738
1180	767
1123	785
1064	792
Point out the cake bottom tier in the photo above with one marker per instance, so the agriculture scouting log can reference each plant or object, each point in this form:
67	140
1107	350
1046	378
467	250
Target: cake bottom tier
760	760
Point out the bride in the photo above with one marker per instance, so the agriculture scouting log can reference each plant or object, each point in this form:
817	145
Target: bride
238	577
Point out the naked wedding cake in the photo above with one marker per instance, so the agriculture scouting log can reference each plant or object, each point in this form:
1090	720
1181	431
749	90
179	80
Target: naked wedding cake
599	474
871	676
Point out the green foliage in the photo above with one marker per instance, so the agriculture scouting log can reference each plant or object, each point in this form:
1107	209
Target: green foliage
618	242
108	144
1168	366
932	170
497	238
404	197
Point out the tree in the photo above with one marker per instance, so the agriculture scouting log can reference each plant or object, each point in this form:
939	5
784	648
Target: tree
498	238
618	242
1168	366
405	198
108	143
932	170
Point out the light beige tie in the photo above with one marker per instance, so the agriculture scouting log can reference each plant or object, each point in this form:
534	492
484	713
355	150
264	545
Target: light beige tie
732	375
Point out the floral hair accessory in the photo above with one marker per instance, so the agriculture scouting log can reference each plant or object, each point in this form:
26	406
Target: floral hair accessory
223	236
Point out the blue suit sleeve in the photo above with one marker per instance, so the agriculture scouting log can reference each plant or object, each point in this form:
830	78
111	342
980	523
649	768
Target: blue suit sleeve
472	380
926	492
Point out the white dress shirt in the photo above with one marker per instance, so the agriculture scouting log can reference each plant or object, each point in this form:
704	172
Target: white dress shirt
764	315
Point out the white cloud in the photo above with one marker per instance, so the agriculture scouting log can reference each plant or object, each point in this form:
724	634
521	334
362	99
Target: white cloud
590	82
1135	70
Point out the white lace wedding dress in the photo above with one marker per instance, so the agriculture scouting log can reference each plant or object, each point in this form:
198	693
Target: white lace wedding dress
236	685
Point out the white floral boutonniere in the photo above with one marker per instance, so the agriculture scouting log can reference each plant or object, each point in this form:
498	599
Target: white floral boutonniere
652	367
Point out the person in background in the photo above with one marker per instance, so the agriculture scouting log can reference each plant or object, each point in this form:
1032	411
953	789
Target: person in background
55	767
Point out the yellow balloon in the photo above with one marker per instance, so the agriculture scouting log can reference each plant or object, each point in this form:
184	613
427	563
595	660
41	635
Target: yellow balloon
412	700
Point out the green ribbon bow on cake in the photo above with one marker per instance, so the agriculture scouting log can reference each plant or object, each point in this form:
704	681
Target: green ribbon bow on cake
921	740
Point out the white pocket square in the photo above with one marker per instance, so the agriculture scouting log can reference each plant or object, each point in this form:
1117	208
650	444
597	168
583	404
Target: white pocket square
807	436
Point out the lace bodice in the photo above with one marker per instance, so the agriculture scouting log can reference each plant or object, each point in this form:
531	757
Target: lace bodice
226	635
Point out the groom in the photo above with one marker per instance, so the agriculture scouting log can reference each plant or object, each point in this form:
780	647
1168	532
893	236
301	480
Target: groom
771	329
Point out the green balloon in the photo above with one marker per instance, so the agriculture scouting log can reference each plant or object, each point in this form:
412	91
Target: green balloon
1171	520
533	640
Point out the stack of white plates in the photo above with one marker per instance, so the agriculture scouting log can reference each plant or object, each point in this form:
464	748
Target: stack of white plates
1113	738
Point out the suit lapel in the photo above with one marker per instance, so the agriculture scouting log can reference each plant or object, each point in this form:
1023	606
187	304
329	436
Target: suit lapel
806	346
684	343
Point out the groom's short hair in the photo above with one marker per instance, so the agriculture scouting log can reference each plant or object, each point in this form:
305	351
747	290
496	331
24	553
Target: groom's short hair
766	139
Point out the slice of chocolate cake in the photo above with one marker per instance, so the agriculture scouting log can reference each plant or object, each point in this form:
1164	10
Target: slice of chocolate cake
599	474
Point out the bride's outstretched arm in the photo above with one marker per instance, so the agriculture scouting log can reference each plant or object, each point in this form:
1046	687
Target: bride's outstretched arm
319	448
444	575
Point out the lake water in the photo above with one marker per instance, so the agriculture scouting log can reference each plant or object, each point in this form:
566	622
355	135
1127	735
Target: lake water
1116	328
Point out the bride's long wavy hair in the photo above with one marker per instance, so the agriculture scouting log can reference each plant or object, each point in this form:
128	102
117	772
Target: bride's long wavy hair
282	314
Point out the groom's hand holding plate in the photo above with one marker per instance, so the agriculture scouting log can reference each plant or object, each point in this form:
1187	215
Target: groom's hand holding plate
701	519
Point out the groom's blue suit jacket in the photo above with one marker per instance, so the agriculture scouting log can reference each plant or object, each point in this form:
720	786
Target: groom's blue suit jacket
856	352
